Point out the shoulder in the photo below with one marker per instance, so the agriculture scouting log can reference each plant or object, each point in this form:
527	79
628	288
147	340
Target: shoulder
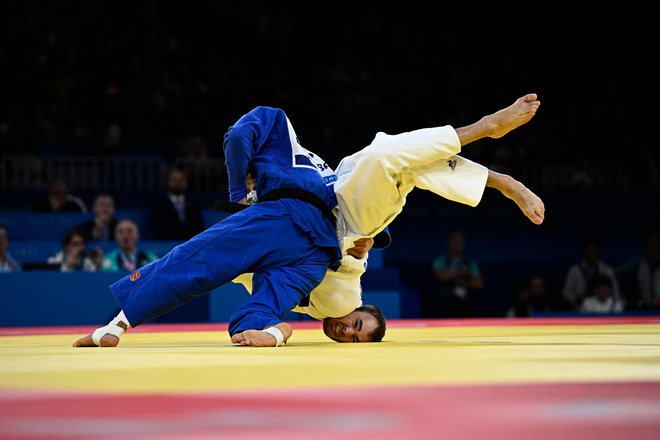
57	258
111	254
16	266
110	260
261	112
149	255
574	268
606	267
439	262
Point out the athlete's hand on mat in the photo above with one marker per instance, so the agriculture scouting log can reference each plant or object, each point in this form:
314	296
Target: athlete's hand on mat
260	338
361	247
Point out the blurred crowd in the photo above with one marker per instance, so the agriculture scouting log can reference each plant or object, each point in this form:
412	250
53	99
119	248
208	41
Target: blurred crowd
454	285
111	78
118	79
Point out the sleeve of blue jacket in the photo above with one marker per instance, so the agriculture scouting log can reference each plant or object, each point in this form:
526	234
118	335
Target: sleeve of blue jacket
242	141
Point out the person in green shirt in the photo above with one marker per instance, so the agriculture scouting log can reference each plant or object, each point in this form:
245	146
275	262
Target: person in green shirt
127	256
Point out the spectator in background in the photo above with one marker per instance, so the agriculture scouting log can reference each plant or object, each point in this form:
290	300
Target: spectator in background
102	226
530	297
601	298
75	256
127	256
59	199
455	279
581	276
176	216
643	274
7	262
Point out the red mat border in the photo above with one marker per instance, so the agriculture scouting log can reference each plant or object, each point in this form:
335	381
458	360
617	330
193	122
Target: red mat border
392	323
543	411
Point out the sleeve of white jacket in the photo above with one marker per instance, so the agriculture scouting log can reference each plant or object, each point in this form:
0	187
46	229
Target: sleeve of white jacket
455	178
339	293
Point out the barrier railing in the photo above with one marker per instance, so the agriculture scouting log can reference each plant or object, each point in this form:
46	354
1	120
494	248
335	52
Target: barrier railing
115	173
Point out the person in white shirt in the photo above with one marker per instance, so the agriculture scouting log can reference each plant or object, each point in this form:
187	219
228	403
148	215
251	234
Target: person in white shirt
74	255
601	299
581	275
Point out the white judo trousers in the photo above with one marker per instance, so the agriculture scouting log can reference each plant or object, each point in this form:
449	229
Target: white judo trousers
372	184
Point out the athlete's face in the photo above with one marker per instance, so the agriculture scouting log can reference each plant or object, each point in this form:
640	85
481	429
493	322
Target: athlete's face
354	327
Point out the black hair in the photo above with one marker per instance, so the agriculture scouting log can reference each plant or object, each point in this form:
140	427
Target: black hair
379	332
66	239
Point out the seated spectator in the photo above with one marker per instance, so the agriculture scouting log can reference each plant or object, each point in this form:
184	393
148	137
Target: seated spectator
601	299
175	215
74	255
582	275
127	257
7	262
530	297
102	226
60	200
455	279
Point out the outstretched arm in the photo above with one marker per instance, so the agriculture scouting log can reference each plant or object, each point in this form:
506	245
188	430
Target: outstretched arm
242	141
272	336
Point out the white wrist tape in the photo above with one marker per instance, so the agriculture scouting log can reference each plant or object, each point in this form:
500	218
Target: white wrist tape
108	329
112	328
252	197
279	336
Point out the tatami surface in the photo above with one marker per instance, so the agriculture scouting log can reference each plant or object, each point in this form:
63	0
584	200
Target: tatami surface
486	378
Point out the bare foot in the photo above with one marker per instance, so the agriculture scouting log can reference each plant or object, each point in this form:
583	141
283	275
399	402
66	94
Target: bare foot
529	203
107	340
520	112
501	122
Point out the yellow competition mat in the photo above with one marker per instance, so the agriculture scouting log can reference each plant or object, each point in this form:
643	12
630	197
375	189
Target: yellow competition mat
479	379
185	361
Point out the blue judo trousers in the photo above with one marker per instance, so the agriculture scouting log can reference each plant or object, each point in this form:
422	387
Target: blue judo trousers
287	244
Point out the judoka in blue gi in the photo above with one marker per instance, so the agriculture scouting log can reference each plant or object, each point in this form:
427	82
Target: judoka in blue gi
304	244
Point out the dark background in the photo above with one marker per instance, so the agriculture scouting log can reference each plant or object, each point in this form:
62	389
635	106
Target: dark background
164	73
